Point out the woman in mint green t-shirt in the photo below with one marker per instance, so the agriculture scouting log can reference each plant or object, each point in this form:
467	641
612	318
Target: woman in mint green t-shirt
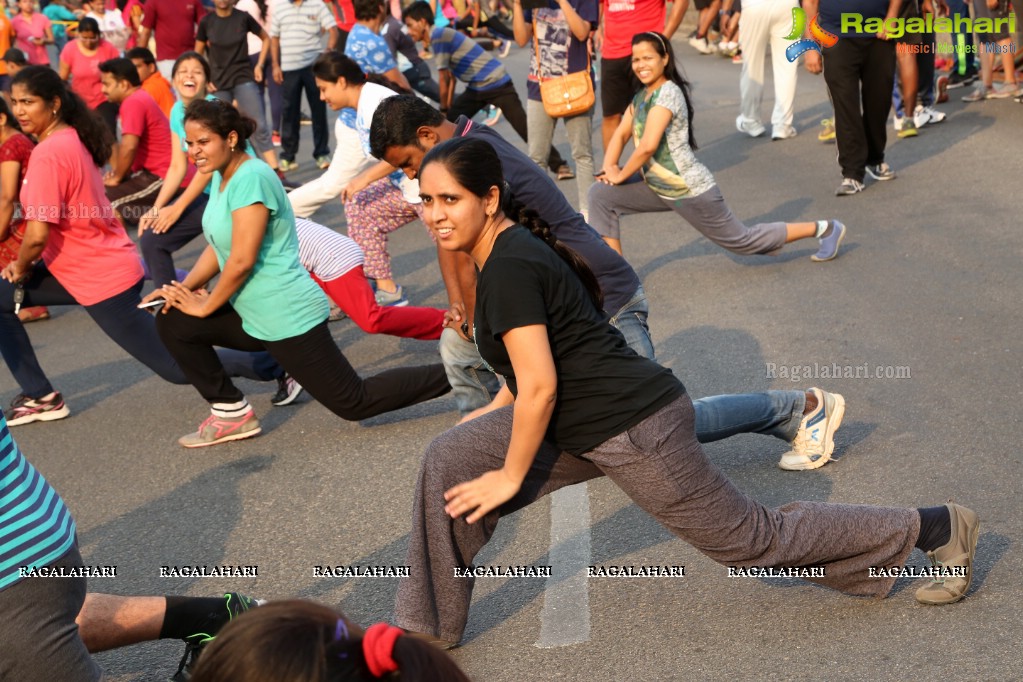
264	298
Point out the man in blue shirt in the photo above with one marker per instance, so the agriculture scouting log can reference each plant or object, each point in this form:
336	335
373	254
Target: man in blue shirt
367	48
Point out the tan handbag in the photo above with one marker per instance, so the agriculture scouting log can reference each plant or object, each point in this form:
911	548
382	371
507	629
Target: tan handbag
567	95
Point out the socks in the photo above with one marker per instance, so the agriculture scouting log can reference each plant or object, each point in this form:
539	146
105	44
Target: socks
230	410
823	228
187	616
935	528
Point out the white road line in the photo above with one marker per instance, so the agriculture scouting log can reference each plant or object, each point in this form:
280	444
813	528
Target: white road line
565	619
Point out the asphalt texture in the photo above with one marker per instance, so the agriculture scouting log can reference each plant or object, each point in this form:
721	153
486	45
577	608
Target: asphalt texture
928	279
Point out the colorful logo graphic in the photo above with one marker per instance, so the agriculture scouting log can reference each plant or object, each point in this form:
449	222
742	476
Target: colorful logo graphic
820	37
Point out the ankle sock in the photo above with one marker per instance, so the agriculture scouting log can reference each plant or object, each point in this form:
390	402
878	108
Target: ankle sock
186	616
935	528
823	228
230	410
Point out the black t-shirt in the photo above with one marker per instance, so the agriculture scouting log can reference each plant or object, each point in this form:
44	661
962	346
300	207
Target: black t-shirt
531	185
227	47
604	388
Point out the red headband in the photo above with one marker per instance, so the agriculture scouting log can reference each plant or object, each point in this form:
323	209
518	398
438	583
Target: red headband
378	648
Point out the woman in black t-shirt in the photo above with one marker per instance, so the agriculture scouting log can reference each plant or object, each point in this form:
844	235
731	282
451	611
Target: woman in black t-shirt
579	404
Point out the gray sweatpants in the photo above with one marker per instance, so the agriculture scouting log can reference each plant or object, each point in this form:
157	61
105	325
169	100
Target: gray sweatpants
660	465
707	212
40	640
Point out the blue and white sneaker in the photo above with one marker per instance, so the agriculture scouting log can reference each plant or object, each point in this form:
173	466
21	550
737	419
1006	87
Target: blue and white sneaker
830	243
493	115
391	298
814	442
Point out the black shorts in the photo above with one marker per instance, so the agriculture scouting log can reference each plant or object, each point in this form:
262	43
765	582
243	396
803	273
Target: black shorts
618	84
702	4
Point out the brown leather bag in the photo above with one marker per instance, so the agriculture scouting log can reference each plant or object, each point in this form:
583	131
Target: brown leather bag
567	95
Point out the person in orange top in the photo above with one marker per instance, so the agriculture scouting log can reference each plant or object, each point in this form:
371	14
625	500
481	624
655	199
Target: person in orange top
153	81
6	34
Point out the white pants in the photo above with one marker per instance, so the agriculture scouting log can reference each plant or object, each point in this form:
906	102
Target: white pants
348	161
761	23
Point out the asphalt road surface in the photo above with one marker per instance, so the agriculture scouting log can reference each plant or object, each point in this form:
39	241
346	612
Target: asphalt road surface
925	295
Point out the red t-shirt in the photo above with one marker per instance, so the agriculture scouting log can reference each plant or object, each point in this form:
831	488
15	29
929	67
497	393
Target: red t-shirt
141	116
85	75
624	19
174	23
88	250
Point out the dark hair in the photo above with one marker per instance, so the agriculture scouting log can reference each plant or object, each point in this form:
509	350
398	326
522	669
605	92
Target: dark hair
121	69
43	82
418	10
6	111
221	118
261	4
188	56
88	25
330	66
142	54
477	167
663	47
301	641
396	121
367	9
15	56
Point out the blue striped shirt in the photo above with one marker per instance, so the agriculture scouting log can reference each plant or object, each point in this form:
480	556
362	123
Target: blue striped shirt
467	60
36	528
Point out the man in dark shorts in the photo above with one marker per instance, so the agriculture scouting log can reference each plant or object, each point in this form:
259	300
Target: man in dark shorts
623	19
709	10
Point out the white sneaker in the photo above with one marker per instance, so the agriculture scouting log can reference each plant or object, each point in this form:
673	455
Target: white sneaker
814	442
782	132
921	117
897	122
933	115
701	45
751	128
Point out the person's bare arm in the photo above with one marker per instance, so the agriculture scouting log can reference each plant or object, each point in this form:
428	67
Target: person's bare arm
397	77
523	31
36	235
126	151
812	58
63	70
446	81
678	10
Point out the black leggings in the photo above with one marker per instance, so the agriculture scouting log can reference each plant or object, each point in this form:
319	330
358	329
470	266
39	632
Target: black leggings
312	359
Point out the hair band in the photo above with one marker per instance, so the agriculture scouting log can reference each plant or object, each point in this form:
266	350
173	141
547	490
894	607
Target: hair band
378	648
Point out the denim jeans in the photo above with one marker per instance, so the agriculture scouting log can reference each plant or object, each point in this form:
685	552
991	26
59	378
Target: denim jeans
421	80
250	103
772	413
630	320
295	82
580	137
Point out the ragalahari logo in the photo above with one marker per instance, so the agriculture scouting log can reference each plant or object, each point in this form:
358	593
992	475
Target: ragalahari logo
820	37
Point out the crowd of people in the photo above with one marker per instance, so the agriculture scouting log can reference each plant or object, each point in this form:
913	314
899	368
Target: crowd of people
154	122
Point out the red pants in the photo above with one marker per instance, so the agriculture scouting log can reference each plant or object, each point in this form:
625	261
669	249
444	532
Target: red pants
353	294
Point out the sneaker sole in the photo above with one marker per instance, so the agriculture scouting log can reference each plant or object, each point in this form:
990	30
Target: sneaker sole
974	537
48	416
226	439
880	178
829	440
288	400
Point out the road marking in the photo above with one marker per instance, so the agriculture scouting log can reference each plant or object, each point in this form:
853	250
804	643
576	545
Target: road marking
565	619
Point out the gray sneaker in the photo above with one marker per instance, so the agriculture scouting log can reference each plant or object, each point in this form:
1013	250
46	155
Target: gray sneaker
392	298
814	442
958	553
849	187
881	171
830	242
215	430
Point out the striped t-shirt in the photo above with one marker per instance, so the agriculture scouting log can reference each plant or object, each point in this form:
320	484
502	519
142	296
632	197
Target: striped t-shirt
301	29
36	528
324	252
467	60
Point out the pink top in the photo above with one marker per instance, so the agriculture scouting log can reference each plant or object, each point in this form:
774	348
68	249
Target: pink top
85	75
88	250
34	28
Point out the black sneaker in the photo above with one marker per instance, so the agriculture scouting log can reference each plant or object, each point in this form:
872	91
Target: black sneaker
234	605
288	390
959	80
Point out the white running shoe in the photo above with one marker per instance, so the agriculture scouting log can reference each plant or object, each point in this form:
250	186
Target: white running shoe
814	442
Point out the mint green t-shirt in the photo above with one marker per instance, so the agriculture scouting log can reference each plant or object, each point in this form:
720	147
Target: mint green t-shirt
279	300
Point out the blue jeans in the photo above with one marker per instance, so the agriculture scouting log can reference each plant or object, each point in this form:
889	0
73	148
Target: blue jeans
772	413
120	319
630	320
421	80
250	103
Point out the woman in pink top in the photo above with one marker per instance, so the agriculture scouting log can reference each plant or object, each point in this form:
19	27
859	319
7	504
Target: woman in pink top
80	60
33	32
75	251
